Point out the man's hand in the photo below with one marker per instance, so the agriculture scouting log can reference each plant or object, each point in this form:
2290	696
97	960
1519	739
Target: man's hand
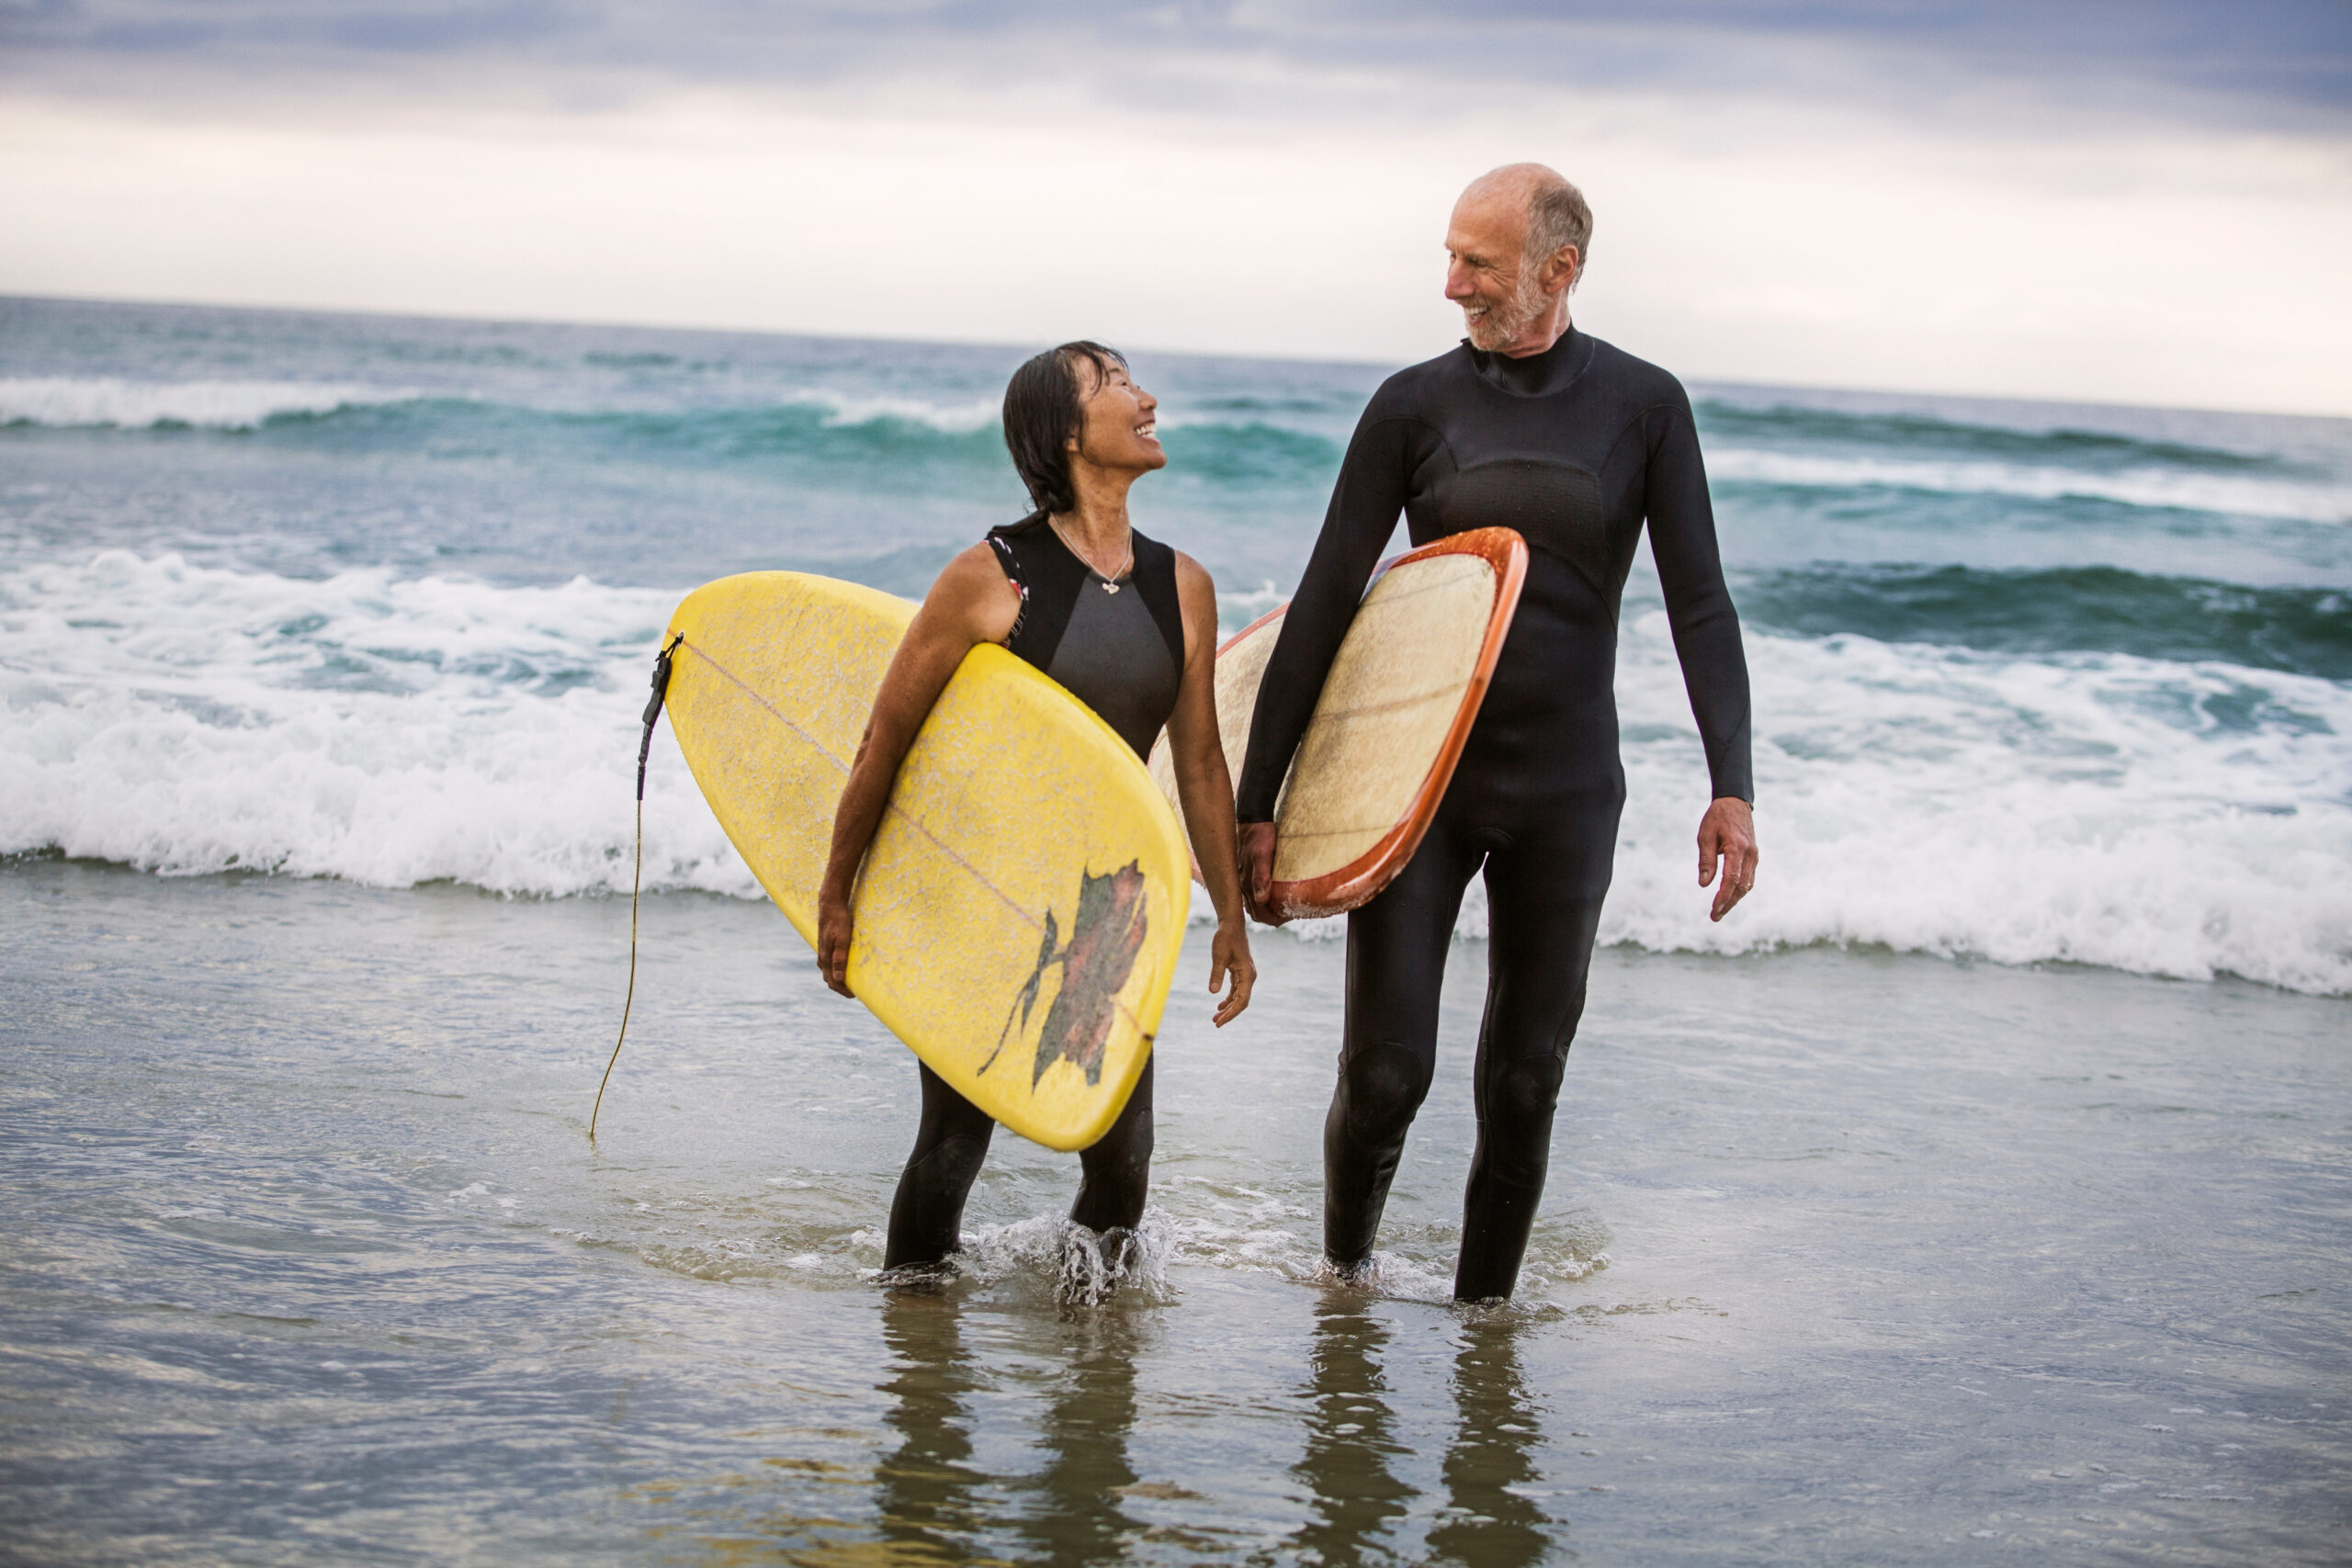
1727	833
1258	873
833	926
1230	955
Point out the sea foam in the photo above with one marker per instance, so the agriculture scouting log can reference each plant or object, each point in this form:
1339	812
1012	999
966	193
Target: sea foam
186	719
2236	495
2178	819
843	409
2171	818
62	400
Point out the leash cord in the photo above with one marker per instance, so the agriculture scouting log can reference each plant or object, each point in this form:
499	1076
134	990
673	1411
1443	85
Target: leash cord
637	871
636	880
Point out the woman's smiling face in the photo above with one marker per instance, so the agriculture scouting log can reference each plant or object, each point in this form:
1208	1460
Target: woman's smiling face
1120	422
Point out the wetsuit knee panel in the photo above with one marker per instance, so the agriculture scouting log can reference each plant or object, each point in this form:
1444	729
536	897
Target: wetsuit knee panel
1529	1087
1384	1084
952	1163
1131	1157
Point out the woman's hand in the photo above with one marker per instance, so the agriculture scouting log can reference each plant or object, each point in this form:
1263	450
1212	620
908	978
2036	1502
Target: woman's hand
834	927
1229	958
1206	789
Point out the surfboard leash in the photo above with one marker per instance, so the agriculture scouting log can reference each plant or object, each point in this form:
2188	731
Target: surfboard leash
637	873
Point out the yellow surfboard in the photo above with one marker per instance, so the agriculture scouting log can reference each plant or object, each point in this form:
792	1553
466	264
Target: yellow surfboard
1025	899
1394	715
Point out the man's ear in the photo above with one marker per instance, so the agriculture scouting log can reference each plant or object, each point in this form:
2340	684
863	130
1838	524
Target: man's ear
1566	264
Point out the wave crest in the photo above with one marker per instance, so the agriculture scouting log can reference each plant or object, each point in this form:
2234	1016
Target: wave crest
185	719
2162	489
2181	819
843	410
2307	631
69	401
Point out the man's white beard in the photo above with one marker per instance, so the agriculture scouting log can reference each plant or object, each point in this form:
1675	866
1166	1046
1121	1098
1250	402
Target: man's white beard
1502	323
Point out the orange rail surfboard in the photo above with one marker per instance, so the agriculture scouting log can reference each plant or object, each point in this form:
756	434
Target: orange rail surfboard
1390	725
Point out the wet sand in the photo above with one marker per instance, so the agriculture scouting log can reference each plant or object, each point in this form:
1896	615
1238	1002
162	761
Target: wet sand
1847	1258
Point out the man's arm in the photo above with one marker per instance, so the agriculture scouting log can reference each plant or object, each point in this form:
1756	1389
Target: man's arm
1365	502
1707	641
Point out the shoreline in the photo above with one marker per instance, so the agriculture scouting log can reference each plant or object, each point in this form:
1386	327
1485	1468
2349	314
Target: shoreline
1307	933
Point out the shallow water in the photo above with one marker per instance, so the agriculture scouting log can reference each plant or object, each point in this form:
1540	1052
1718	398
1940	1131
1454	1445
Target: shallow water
1848	1257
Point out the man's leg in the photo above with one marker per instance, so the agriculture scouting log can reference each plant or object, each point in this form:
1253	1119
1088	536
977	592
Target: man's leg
1544	901
927	1216
1397	947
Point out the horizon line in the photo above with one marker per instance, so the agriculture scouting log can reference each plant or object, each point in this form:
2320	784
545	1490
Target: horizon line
10	297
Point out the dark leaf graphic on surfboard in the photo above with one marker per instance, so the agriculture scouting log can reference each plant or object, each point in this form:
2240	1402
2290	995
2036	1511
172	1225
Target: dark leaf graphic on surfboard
1106	934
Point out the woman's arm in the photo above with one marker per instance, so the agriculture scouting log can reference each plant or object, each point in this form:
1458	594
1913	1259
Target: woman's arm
1206	787
971	604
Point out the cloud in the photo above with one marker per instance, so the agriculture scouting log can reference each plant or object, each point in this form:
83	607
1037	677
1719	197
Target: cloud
1814	248
2140	202
2277	63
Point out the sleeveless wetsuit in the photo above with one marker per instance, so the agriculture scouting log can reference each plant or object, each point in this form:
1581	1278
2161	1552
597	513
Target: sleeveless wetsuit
1119	647
1574	447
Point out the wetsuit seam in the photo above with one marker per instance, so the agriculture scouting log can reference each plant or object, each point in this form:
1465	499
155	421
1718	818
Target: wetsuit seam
1646	410
1736	733
1578	375
1405	419
1405	506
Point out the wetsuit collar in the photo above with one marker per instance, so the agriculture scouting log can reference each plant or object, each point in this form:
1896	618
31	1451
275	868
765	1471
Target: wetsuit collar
1538	375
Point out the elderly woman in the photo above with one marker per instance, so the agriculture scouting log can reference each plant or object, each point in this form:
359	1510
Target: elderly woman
1130	627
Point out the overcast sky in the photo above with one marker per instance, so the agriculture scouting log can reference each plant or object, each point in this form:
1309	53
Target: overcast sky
2144	202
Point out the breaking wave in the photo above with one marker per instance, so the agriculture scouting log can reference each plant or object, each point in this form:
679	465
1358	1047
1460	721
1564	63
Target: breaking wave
2179	817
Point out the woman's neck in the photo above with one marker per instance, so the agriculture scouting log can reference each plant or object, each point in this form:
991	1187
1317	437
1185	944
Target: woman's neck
1098	523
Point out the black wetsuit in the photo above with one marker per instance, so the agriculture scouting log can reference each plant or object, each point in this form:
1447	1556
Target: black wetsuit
1119	649
1574	447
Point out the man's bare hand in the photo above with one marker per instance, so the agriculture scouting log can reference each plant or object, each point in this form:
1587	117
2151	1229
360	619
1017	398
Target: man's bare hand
1258	873
1727	834
834	924
1229	958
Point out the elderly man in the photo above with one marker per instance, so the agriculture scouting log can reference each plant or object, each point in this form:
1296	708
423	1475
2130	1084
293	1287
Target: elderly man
1529	424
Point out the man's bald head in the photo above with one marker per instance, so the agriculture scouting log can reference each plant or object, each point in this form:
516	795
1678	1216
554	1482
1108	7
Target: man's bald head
1553	210
1516	245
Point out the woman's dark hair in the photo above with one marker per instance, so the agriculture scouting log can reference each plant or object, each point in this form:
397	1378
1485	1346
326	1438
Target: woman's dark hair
1043	407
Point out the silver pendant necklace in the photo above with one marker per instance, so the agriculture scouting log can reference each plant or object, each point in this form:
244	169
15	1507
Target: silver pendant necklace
1110	584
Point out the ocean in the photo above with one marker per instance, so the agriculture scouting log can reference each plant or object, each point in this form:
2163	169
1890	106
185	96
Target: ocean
1981	1185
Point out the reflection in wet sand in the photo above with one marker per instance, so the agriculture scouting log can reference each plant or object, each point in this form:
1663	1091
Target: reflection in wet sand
1076	1517
924	1489
1351	1440
1353	1451
936	1506
1495	1433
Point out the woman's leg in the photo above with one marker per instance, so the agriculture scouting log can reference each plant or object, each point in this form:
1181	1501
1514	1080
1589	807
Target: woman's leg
1115	1172
927	1216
